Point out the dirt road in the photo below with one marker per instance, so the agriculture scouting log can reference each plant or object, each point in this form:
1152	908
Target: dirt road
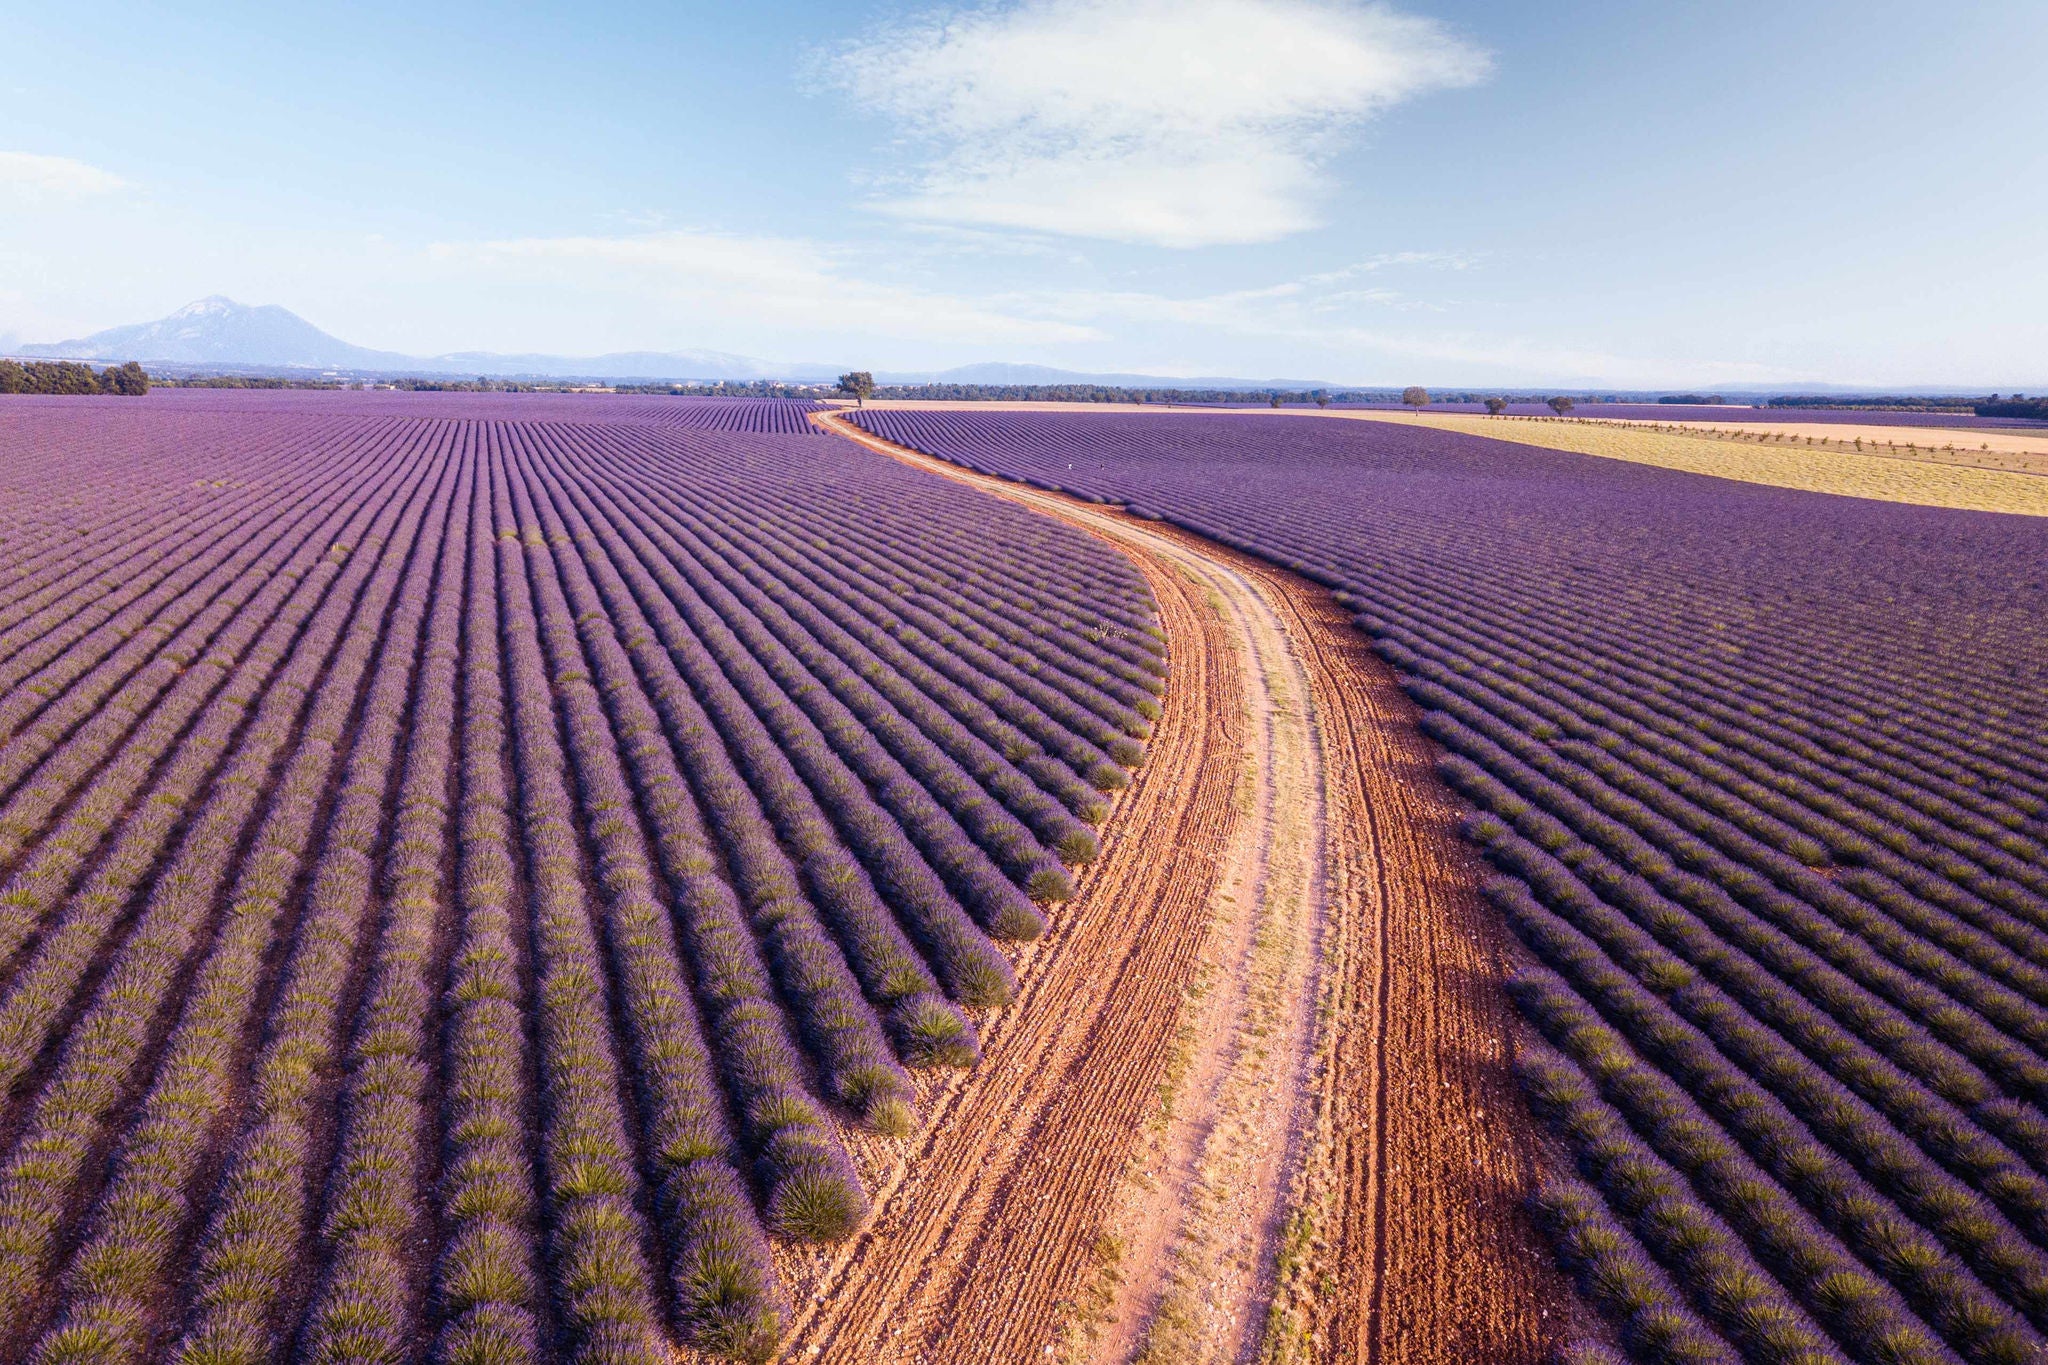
1251	1101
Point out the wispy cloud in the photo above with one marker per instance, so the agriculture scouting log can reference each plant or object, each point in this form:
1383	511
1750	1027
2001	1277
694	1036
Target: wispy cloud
1368	334
695	277
1389	260
32	179
1323	306
1177	123
1376	319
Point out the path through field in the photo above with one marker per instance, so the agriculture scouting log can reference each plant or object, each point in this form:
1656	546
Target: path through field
1251	1102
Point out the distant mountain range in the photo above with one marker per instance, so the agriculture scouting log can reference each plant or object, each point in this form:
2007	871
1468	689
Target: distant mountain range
219	334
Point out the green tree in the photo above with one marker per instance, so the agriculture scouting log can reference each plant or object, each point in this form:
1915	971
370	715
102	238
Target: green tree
69	378
858	385
1560	405
129	380
1277	400
1496	406
64	377
1415	396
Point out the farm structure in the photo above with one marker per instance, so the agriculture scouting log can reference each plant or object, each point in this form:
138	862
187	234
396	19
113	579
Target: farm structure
1764	778
471	869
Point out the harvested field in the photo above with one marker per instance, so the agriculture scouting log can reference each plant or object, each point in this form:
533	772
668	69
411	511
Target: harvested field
1897	421
1337	1186
1899	465
1956	445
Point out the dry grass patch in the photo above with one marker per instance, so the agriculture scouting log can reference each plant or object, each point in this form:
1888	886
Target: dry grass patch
1931	480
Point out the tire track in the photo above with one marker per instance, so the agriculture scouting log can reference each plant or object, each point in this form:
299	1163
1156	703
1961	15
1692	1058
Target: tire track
1409	1243
1374	1210
993	1219
1204	1219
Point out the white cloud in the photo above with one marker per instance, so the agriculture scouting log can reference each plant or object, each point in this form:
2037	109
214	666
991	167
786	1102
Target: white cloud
1441	260
1177	123
693	277
28	178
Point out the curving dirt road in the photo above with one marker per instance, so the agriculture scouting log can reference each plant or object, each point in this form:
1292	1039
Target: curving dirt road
1251	1101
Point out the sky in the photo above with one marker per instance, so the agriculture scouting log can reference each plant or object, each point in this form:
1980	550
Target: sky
1446	192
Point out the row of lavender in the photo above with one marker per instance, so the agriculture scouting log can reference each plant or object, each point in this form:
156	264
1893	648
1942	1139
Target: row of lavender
459	880
783	416
1767	776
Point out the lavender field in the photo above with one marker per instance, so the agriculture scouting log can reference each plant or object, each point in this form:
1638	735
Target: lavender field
784	416
1765	778
466	863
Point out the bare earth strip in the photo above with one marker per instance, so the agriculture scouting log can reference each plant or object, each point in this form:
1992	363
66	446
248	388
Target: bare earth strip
1252	1100
1201	1220
1408	1242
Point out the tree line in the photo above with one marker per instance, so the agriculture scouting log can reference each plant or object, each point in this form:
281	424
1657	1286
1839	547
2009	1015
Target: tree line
2031	409
70	377
861	385
731	388
1088	393
245	381
1417	397
1872	403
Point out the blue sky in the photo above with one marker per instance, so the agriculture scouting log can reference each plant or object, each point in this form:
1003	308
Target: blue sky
1444	191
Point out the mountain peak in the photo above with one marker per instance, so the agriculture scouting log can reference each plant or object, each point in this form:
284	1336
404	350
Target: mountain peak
211	305
216	330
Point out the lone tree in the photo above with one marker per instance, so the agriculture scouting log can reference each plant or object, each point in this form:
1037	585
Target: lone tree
1496	406
858	385
1415	396
1560	405
1277	400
